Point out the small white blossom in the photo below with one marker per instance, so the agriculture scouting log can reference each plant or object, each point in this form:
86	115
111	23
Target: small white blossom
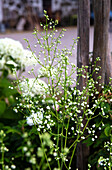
48	107
25	148
55	154
13	166
35	118
72	128
93	139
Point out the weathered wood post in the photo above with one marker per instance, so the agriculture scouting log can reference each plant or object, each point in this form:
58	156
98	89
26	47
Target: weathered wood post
83	59
101	41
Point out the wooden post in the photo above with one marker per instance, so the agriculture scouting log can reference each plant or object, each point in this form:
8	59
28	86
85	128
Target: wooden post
101	32
83	59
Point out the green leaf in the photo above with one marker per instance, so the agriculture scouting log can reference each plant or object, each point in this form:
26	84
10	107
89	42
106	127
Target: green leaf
111	138
1	125
5	83
9	92
4	88
5	73
107	131
10	114
107	107
2	107
11	130
88	141
11	100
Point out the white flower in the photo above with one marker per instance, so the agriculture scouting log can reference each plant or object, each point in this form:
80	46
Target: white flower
25	148
72	128
110	100
13	166
48	126
55	154
11	47
47	72
33	87
29	58
2	62
48	107
35	118
12	52
93	139
43	72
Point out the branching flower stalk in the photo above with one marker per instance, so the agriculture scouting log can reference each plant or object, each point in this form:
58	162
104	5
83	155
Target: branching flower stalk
56	108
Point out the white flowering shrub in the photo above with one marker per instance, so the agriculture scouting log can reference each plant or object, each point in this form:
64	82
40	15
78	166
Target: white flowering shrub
14	56
32	87
56	108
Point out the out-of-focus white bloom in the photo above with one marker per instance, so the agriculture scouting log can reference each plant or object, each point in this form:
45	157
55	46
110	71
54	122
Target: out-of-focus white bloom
32	87
12	52
11	47
13	166
54	106
35	118
43	72
47	72
2	62
29	58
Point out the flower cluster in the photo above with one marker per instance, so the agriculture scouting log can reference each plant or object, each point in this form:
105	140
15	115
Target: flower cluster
35	118
47	72
31	87
14	56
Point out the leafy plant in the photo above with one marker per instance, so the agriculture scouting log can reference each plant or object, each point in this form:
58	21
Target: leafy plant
101	149
56	115
63	124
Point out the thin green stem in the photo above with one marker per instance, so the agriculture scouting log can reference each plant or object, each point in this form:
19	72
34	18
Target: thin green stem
110	157
75	142
45	153
2	158
58	131
67	132
64	110
72	155
62	144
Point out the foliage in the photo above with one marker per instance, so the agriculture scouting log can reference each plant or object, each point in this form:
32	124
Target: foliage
7	99
101	149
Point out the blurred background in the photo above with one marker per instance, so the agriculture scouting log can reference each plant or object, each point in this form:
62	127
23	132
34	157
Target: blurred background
26	14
